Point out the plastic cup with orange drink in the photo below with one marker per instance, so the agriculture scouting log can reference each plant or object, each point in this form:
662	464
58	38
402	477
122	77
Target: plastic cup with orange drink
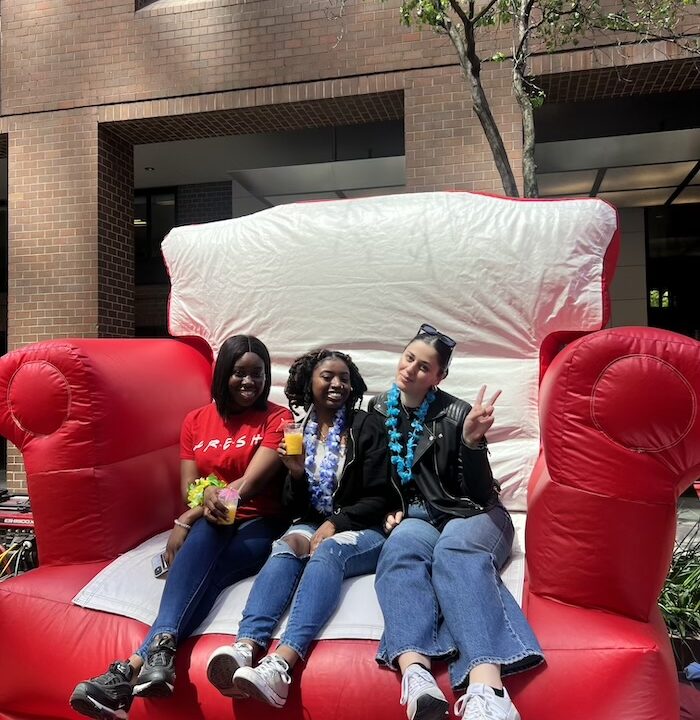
294	438
229	496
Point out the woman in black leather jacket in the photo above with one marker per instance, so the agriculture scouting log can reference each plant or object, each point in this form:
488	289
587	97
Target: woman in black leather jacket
338	491
438	579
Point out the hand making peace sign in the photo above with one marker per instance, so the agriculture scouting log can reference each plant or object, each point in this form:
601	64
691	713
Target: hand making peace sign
479	419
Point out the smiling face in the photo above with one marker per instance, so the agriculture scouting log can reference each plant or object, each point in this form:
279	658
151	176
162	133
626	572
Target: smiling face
247	380
330	384
419	370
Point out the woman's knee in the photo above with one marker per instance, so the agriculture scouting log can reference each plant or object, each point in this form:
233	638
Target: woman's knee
337	548
294	544
411	538
467	549
202	537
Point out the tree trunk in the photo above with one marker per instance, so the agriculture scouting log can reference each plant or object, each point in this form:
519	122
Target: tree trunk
520	54
529	166
471	65
493	134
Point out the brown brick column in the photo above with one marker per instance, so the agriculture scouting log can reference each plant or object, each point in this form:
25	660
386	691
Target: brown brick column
115	247
445	145
70	254
52	227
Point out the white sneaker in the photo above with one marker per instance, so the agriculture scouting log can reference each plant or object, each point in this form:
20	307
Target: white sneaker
423	698
269	681
224	662
480	702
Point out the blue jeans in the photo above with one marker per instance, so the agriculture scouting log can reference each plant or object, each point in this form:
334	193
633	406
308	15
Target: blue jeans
211	558
442	596
312	586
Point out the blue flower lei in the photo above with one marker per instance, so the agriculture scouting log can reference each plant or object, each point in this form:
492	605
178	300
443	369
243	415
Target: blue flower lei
322	489
404	465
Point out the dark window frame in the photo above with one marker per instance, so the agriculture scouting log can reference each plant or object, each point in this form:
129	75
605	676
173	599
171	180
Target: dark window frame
150	269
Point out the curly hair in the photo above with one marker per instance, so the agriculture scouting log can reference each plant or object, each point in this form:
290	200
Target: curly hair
298	387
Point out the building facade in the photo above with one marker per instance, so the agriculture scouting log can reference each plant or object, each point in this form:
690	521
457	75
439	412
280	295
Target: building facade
120	118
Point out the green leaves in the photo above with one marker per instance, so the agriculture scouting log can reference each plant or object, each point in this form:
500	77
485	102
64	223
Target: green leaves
556	23
680	597
424	12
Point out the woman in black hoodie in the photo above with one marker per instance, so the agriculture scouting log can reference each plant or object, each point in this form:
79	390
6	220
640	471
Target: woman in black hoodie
338	492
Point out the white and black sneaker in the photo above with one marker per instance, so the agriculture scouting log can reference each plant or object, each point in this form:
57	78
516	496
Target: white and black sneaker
224	662
482	702
422	697
157	676
106	696
268	682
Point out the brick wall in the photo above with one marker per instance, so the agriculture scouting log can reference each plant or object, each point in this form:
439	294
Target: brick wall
52	226
115	247
59	53
63	53
445	146
204	202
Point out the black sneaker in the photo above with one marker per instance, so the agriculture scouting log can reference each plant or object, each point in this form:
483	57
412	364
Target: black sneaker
107	696
157	676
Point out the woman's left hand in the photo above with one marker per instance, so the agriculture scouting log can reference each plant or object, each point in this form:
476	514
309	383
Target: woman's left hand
479	419
214	510
325	531
176	539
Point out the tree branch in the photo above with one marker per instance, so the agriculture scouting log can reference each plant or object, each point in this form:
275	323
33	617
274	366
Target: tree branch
454	4
484	11
471	65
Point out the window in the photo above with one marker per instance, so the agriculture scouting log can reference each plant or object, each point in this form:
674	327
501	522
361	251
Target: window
673	267
154	217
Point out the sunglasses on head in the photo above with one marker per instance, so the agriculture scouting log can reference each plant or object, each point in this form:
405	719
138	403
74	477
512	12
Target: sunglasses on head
446	340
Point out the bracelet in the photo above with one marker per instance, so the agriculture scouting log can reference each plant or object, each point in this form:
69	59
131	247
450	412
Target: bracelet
195	492
181	524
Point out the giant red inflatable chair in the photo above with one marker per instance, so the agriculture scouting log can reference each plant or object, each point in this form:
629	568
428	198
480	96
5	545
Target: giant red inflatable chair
596	435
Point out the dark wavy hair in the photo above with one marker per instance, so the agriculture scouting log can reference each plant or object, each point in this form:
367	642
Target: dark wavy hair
233	349
298	387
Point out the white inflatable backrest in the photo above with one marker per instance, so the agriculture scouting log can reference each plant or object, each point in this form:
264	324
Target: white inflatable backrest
360	276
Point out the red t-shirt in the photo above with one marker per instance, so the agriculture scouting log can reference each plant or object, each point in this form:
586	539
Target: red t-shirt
225	449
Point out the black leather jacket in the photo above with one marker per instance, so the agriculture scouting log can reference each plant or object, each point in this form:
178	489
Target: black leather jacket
450	476
361	497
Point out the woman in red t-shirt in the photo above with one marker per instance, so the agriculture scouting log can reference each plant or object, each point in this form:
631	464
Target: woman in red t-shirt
235	438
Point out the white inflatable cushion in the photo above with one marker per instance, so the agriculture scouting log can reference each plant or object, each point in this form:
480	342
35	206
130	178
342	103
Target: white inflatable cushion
127	587
360	276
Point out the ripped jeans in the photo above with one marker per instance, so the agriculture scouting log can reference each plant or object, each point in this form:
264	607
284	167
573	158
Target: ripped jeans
310	584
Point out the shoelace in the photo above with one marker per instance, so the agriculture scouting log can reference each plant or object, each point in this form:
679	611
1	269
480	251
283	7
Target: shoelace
272	664
474	707
161	655
414	683
243	649
114	676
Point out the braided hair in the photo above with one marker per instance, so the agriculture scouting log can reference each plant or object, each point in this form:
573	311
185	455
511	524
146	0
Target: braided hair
298	387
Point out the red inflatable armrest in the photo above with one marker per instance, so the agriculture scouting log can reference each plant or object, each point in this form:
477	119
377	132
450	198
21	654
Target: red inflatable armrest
621	441
98	424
